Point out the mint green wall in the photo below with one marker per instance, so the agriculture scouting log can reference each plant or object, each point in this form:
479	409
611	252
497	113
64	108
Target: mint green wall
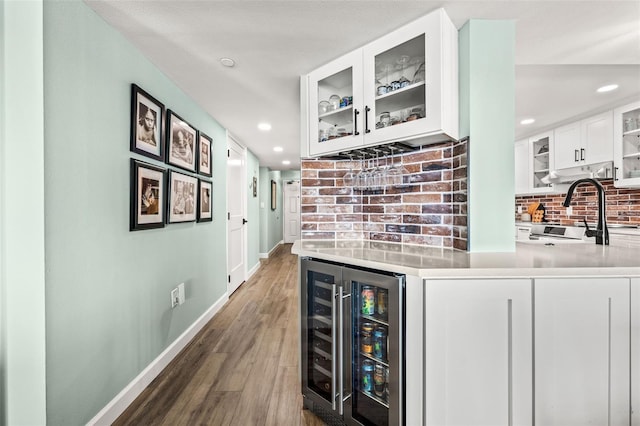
253	213
270	220
107	297
487	107
22	256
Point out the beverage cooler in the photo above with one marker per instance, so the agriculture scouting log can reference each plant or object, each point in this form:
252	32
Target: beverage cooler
352	343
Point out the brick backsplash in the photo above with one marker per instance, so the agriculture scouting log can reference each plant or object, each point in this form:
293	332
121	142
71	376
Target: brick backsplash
428	208
623	205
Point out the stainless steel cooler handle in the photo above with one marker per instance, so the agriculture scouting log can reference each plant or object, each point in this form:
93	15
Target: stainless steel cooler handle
341	358
333	345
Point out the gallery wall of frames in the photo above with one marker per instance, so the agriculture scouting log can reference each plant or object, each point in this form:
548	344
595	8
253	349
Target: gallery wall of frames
178	190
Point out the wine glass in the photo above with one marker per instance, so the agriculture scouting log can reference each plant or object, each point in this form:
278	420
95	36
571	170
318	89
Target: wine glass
402	61
349	178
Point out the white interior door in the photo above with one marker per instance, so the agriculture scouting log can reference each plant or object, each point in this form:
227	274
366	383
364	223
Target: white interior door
291	211
236	215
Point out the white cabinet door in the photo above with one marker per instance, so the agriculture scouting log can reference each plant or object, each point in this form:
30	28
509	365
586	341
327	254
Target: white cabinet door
541	161
567	146
521	166
423	56
478	352
581	351
341	78
597	138
635	352
626	145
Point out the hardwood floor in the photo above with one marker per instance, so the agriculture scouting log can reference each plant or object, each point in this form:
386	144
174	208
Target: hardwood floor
242	368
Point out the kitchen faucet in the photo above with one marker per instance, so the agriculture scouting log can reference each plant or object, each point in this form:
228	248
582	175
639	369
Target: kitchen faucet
601	233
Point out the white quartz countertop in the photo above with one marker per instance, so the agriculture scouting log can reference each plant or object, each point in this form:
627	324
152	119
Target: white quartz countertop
528	260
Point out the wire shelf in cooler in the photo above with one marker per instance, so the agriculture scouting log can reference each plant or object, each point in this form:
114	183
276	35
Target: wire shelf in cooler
374	397
322	319
321	352
322	370
373	358
321	301
377	319
322	336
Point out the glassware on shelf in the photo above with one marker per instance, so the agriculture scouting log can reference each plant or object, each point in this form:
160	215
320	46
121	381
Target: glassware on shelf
419	75
322	135
402	61
385	119
629	124
331	133
323	107
334	102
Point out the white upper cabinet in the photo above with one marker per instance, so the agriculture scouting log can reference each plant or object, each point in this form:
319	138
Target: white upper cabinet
521	166
541	162
626	145
401	87
589	141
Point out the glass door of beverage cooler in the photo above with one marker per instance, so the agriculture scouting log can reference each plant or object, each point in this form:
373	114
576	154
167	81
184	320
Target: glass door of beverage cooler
321	284
375	358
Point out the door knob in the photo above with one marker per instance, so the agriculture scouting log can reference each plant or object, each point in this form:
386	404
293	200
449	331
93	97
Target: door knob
244	221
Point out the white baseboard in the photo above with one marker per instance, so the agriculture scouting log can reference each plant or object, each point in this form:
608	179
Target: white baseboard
253	270
266	255
117	405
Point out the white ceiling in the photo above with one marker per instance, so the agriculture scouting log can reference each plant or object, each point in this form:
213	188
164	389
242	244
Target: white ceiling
564	51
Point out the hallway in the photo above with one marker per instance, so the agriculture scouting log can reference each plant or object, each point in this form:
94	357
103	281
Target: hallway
242	367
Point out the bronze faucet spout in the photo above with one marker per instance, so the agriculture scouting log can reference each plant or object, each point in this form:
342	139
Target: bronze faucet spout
602	232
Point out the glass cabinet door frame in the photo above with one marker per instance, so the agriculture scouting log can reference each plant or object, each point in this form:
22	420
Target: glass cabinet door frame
626	146
351	60
395	321
435	87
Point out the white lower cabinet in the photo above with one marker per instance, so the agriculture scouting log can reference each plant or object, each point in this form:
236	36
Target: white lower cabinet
582	351
478	352
635	352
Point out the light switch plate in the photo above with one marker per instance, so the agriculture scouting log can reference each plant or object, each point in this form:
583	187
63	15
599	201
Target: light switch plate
174	298
181	297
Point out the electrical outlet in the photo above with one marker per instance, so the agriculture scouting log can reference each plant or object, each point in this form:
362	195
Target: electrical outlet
174	298
569	211
181	293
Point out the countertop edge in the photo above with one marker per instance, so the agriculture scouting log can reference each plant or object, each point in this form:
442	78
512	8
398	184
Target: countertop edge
471	272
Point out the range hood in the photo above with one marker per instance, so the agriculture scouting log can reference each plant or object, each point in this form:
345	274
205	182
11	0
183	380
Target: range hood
594	171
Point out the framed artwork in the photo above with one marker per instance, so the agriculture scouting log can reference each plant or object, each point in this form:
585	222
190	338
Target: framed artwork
183	191
181	142
273	195
147	124
204	154
205	208
147	196
255	186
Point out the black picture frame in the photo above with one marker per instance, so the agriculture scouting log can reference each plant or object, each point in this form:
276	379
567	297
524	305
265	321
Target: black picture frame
204	155
145	109
182	197
205	201
148	194
182	140
273	195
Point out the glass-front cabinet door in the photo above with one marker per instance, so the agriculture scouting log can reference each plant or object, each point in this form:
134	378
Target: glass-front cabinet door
335	105
626	145
320	331
410	81
376	350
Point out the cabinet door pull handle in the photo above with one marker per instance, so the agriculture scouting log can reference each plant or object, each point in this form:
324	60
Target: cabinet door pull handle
334	345
366	119
615	173
581	154
575	155
355	122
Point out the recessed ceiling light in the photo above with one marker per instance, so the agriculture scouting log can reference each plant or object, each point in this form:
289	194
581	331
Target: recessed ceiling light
264	126
227	62
277	149
528	121
286	162
607	88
